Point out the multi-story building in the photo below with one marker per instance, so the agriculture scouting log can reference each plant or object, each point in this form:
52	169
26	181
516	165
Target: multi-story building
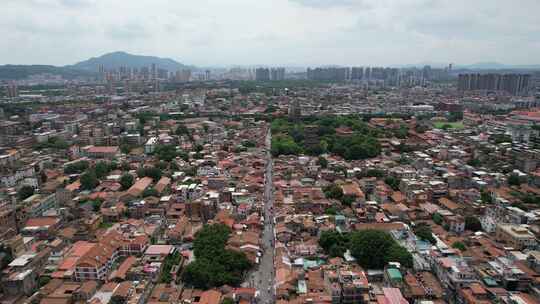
516	236
262	74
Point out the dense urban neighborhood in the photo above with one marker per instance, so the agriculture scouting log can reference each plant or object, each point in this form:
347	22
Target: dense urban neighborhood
330	186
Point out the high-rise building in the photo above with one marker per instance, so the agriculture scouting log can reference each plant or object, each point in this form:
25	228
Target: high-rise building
514	84
329	74
357	73
262	74
295	110
154	71
277	74
12	90
183	75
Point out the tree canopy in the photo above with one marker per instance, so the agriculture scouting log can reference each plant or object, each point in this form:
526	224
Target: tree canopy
89	180
472	223
423	231
152	172
373	249
25	192
317	136
214	265
126	181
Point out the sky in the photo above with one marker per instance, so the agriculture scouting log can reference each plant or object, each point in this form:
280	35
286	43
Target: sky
273	32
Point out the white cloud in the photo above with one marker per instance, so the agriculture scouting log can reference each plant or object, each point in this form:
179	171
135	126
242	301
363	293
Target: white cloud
301	32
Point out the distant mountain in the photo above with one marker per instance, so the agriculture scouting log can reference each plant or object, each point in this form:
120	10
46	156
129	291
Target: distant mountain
122	59
475	66
15	72
498	66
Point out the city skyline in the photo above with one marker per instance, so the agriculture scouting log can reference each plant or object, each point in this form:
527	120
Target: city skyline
285	33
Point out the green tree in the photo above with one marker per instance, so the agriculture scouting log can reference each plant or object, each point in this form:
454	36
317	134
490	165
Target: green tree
166	153
437	218
334	243
423	231
514	180
446	127
330	211
485	197
152	172
474	162
101	169
89	180
227	301
455	116
116	299
333	191
182	130
96	204
473	223
6	256
459	245
214	265
322	162
397	253
373	249
126	181
43	280
375	173
150	192
392	182
77	167
348	199
25	192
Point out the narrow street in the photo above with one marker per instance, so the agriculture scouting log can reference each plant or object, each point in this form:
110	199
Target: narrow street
263	277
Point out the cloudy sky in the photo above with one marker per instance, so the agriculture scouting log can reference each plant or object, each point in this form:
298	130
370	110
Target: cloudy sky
273	32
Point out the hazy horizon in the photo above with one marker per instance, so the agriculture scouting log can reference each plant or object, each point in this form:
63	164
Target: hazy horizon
273	32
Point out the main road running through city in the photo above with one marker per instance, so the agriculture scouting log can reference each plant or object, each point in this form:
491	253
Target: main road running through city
263	278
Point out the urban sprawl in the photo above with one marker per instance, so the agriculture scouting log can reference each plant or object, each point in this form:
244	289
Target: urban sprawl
326	185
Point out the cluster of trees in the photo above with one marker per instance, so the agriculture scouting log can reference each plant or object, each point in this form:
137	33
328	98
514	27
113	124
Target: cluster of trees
323	162
152	172
515	180
473	223
423	231
56	143
77	167
392	182
25	192
168	264
334	191
501	138
372	249
455	116
6	256
103	168
459	245
214	265
169	152
334	243
291	138
150	192
90	178
126	181
437	218
376	248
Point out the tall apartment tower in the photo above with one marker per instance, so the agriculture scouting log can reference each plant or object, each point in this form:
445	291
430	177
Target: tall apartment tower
262	74
277	74
357	73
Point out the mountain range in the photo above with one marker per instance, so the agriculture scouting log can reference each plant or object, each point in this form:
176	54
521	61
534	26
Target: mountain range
476	66
90	67
122	59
